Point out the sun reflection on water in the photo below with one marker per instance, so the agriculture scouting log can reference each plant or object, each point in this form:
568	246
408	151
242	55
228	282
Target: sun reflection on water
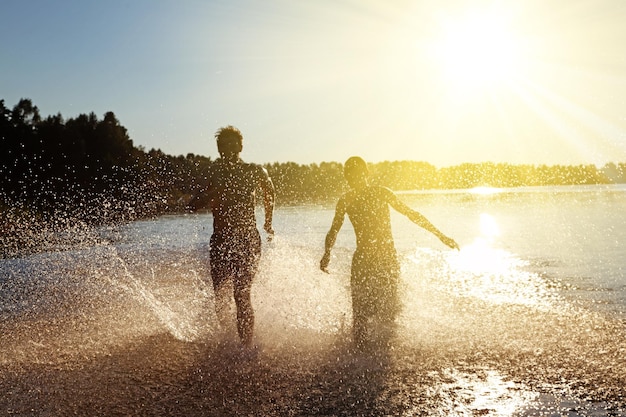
485	271
482	393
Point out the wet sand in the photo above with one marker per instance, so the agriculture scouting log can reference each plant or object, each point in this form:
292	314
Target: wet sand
160	375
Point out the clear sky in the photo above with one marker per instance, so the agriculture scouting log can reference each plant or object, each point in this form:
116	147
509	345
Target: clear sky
441	81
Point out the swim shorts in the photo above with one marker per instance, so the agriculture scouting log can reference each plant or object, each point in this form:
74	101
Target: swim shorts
235	255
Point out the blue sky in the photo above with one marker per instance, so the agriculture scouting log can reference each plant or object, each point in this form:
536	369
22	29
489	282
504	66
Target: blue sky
445	81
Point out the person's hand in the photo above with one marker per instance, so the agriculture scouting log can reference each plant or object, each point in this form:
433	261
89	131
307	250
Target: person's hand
270	232
449	242
324	262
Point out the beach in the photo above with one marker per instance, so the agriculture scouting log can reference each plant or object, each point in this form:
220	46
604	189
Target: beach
513	324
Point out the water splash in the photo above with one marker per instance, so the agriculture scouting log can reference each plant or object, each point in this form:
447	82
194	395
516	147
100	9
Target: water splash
175	323
495	339
294	299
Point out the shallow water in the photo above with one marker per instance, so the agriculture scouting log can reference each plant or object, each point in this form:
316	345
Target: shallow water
527	319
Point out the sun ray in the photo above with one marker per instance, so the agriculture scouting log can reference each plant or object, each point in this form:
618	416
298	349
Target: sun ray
580	129
548	114
608	133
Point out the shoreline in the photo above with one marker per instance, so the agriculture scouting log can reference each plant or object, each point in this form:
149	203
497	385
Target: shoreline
128	328
160	375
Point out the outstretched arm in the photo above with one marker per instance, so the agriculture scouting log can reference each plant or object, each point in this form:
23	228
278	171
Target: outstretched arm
331	236
268	203
420	220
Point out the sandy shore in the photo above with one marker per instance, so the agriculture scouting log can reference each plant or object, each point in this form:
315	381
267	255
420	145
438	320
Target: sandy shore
159	375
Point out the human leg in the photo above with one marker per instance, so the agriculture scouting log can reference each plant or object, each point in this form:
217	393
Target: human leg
361	306
220	274
359	328
245	313
375	304
222	304
246	268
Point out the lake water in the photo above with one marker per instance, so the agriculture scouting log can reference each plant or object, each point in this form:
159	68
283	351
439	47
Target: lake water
528	318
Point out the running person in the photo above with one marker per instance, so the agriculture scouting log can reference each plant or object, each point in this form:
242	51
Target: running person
235	245
375	269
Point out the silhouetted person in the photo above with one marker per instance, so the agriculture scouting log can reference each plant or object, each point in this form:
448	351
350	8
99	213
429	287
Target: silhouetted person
235	246
375	268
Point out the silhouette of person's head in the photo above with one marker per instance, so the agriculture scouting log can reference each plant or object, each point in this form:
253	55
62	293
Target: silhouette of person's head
229	142
355	172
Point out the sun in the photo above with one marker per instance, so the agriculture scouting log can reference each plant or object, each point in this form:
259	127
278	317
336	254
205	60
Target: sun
478	51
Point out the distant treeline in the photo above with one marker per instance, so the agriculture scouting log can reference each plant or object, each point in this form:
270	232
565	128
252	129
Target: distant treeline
89	168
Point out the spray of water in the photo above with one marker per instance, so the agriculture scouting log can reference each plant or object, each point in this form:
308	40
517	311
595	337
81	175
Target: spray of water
470	339
173	322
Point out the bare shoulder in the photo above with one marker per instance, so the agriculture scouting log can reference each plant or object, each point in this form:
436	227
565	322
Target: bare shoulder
383	193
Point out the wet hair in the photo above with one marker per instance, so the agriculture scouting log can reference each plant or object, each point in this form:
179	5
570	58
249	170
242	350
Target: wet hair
229	140
354	168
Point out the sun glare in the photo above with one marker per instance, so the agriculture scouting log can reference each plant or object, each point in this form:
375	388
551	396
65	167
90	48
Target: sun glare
478	51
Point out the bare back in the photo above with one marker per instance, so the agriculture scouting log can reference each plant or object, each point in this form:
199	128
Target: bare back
232	188
368	211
